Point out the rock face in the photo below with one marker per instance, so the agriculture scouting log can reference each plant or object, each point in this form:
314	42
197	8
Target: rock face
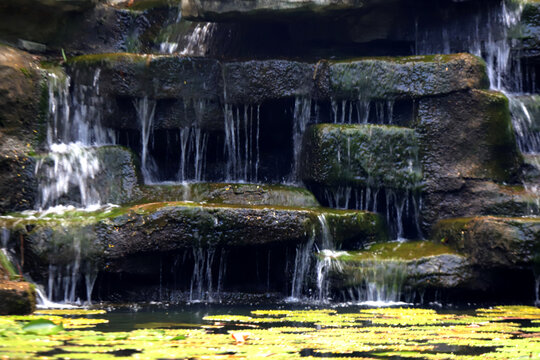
360	155
493	242
162	227
20	95
450	160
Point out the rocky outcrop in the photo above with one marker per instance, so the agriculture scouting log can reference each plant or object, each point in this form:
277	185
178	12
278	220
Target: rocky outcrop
239	194
446	126
406	77
416	265
493	242
172	226
17	298
360	155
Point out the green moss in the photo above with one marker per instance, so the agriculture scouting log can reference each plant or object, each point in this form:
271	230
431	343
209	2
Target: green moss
141	5
411	250
109	59
361	155
8	267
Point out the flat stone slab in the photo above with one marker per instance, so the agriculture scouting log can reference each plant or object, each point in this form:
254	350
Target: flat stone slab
493	242
252	82
224	193
238	10
365	155
169	226
418	265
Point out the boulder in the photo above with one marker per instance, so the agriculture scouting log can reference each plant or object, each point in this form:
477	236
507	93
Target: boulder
405	77
360	155
477	197
529	32
417	265
18	185
17	298
252	82
493	242
464	136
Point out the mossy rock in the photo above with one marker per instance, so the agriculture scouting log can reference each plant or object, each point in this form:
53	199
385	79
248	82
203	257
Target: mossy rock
17	298
406	77
360	155
418	264
529	31
223	193
104	236
464	138
493	242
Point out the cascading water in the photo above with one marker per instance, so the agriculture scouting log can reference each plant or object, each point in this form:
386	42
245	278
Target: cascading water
241	148
145	114
302	116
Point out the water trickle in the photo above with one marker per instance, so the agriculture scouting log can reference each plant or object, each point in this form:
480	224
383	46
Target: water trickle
198	42
145	115
241	148
302	116
4	236
202	283
381	282
193	145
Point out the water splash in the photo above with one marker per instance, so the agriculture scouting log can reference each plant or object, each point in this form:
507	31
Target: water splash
66	167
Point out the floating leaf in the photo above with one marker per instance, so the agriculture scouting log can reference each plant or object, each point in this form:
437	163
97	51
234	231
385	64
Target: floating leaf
42	327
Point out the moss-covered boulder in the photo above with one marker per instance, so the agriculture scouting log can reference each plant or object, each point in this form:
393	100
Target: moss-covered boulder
17	298
20	92
240	194
361	155
417	265
528	32
406	77
163	227
493	242
464	136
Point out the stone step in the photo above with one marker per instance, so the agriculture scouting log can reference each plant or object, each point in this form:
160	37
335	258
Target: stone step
105	236
197	88
493	242
361	155
410	265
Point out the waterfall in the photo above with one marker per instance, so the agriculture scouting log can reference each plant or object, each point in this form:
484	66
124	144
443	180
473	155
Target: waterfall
302	116
197	43
400	208
381	282
68	166
145	114
241	147
193	145
360	111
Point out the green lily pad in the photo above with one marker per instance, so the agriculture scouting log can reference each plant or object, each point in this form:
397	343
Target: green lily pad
42	327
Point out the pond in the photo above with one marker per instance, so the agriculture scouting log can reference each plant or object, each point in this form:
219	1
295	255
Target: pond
288	331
